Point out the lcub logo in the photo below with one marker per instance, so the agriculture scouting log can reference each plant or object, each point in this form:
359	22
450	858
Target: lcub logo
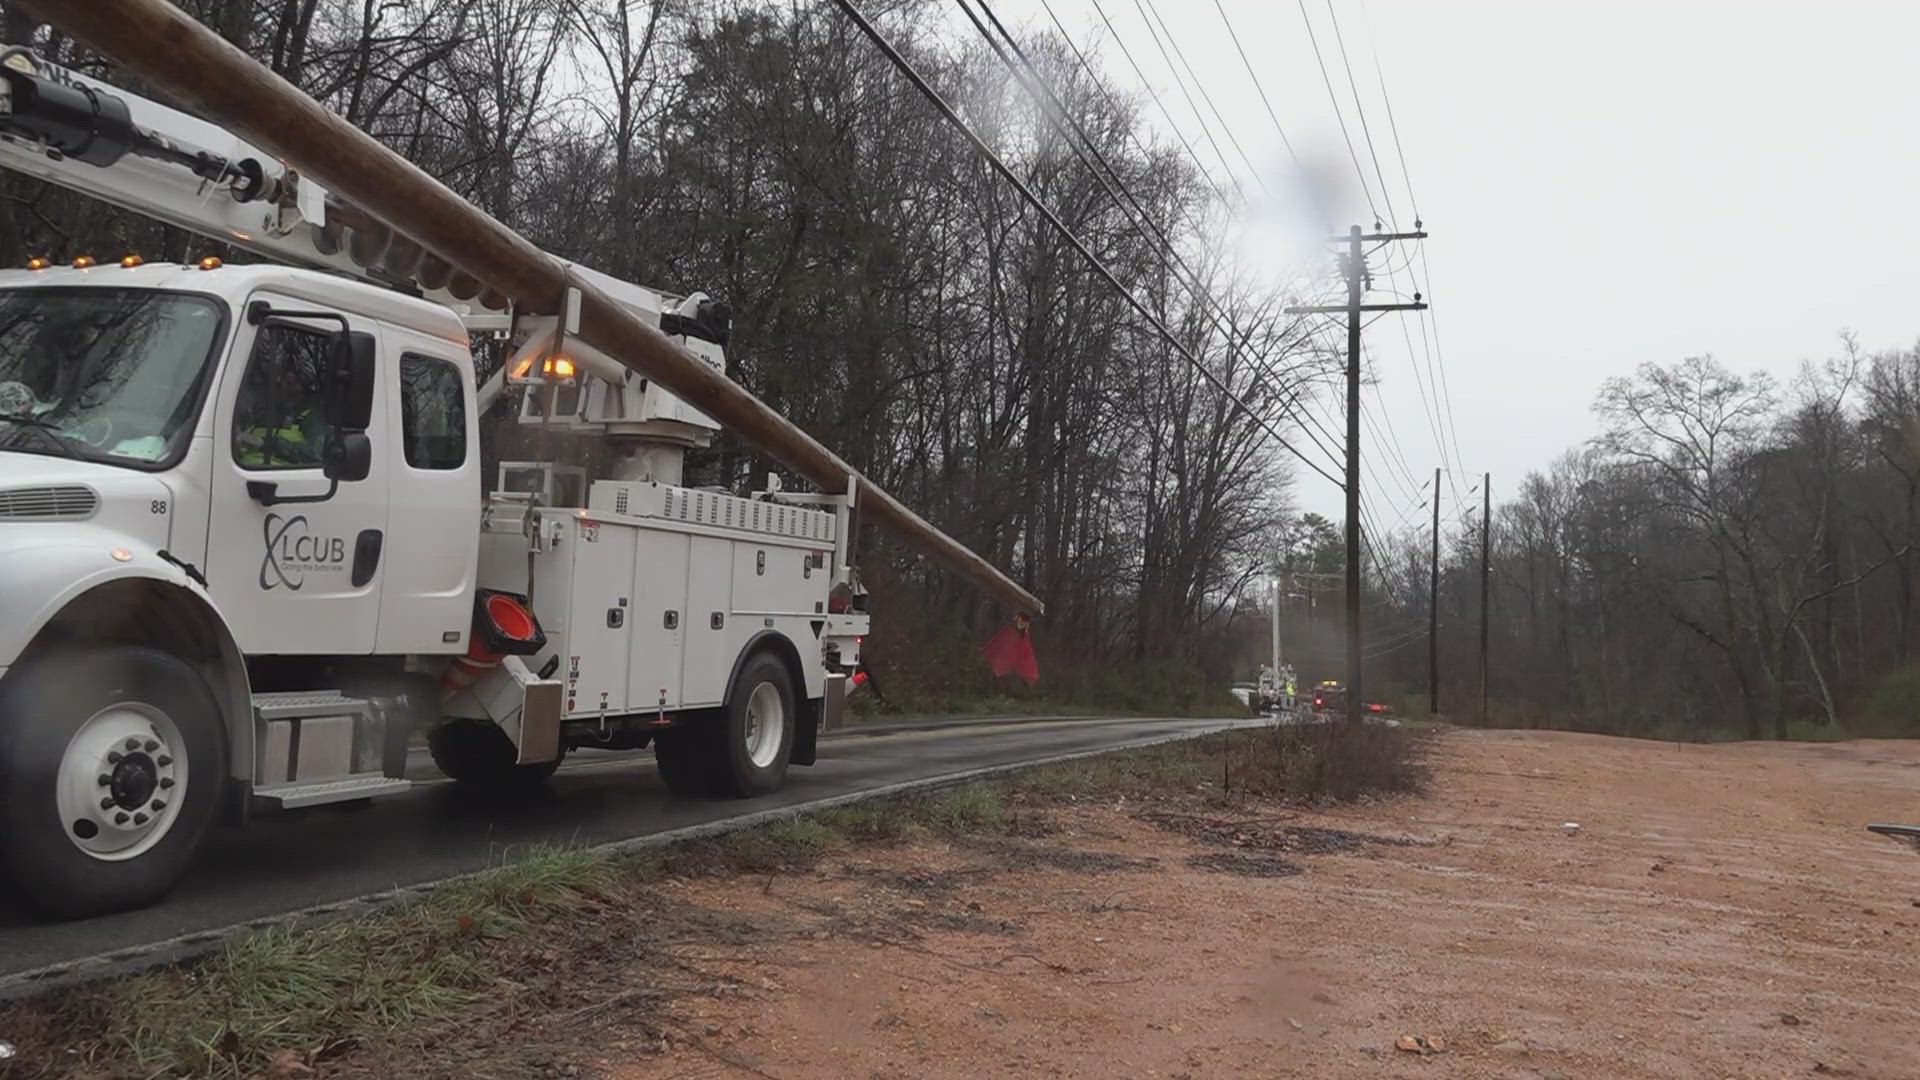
293	552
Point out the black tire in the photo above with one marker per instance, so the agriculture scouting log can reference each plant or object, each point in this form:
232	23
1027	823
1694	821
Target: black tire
711	756
42	708
687	759
739	775
479	754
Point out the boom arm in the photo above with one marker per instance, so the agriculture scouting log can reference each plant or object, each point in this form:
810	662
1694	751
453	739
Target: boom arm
160	43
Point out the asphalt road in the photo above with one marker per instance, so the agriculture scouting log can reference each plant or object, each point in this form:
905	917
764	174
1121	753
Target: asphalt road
289	862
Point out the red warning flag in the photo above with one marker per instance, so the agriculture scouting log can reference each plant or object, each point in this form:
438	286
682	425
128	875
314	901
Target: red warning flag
1010	652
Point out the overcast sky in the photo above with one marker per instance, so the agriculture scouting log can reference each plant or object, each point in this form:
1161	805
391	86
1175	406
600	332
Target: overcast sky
1606	183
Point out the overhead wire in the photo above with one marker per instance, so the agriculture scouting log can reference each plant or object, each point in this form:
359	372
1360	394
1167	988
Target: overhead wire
1380	72
933	96
1271	115
1150	15
1021	66
1148	86
1361	109
1337	114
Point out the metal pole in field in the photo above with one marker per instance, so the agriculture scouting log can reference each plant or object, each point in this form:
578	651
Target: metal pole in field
1433	609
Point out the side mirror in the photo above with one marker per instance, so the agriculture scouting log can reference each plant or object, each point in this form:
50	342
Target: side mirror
350	380
349	456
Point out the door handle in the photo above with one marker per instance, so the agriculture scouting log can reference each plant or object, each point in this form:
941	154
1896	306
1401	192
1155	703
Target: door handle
366	555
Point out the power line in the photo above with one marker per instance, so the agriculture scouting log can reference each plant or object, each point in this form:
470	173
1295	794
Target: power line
1374	44
1197	85
1271	115
1337	114
907	69
1361	109
1037	87
1128	53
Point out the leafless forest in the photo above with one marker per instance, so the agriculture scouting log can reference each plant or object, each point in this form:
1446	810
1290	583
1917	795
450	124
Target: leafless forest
1730	556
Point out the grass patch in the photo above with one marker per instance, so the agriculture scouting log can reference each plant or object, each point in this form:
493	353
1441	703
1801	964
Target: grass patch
1333	762
275	994
976	808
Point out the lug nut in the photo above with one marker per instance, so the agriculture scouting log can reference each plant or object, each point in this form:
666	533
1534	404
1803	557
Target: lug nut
158	806
166	782
114	756
133	744
106	803
164	761
139	819
120	818
152	746
105	780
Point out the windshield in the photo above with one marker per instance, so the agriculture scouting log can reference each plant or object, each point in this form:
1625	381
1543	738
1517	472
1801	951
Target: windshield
110	375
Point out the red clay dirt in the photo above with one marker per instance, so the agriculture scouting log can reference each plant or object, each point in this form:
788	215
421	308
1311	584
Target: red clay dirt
1719	912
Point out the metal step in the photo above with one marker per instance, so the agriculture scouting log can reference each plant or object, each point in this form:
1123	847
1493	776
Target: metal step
295	796
304	704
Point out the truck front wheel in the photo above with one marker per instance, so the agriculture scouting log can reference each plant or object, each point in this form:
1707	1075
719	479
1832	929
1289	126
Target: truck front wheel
111	768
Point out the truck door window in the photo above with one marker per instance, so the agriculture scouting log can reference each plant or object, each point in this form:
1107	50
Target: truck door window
278	419
433	413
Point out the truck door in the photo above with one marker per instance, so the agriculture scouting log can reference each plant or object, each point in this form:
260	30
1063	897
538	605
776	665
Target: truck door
433	516
298	576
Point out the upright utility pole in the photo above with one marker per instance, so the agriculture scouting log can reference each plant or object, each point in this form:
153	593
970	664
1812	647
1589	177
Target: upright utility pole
1356	286
1359	279
1486	563
1433	609
1277	586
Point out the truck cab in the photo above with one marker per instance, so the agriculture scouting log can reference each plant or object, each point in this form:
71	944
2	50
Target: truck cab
245	552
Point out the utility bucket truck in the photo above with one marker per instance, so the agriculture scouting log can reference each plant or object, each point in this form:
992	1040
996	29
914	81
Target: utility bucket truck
247	548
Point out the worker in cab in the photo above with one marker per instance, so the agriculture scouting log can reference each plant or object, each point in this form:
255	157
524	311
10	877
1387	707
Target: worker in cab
280	429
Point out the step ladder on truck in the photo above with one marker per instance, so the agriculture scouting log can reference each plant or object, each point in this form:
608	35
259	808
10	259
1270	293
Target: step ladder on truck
244	552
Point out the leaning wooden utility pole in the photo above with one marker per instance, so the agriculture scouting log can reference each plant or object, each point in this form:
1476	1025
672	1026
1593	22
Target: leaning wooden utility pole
163	45
1359	279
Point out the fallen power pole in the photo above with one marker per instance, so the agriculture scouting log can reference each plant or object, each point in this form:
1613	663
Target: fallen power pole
163	45
1359	279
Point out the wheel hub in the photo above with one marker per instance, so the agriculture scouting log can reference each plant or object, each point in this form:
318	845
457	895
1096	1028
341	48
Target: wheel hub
134	781
766	724
122	780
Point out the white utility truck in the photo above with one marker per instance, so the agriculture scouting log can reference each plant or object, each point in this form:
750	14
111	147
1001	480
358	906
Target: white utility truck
247	547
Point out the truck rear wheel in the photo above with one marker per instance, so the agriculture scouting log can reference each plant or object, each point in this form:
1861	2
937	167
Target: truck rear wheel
112	765
480	754
744	750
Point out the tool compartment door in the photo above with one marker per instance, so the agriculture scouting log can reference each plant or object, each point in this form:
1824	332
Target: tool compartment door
658	569
710	650
600	630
